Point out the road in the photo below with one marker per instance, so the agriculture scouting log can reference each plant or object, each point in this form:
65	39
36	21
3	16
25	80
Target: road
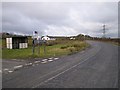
96	67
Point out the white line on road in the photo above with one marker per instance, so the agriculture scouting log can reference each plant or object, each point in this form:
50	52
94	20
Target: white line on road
17	67
10	71
50	60
44	62
6	69
63	71
0	71
56	58
44	59
37	62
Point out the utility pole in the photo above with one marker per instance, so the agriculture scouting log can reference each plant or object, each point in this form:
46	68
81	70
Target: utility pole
104	30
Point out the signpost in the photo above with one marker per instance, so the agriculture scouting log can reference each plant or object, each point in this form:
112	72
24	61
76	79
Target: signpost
33	44
37	41
35	36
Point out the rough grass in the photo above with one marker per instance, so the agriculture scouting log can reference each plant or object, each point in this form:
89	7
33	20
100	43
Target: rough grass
57	49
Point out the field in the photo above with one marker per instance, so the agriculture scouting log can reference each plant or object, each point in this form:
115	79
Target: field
53	48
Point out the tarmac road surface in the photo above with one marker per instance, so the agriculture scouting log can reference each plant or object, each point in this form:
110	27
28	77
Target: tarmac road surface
96	67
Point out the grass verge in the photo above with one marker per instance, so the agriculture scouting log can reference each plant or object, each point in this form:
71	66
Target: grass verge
58	49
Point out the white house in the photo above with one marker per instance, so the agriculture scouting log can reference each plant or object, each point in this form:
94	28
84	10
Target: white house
45	38
48	38
71	38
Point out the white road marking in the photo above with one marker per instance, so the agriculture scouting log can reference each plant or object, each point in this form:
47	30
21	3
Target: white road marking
37	62
44	62
17	67
10	71
63	71
56	58
6	69
44	59
50	60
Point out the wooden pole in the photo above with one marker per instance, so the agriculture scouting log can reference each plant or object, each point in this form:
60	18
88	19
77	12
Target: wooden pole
39	47
45	48
33	49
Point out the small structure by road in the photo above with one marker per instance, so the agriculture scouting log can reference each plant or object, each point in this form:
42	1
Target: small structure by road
17	42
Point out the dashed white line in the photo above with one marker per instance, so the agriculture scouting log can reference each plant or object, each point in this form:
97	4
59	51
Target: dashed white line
56	58
50	60
10	71
62	72
6	69
37	62
44	59
44	62
17	67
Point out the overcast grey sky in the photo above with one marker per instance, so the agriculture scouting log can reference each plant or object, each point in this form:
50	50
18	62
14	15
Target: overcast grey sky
60	18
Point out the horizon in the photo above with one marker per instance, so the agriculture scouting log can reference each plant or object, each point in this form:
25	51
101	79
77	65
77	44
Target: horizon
60	18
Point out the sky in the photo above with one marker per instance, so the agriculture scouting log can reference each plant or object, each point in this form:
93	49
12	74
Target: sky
60	18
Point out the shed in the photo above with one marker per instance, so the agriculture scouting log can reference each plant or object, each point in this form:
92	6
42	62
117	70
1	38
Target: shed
17	42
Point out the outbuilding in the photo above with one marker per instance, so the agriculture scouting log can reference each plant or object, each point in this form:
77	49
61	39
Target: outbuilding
17	42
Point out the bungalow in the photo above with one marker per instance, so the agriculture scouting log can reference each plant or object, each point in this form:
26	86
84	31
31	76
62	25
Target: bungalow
48	38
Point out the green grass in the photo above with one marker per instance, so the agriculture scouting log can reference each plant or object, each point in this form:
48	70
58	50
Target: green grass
51	51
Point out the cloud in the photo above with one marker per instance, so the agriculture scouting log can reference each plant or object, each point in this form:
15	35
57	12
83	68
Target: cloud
60	18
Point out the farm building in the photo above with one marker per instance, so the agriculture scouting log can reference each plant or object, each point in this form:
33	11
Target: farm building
47	38
17	42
